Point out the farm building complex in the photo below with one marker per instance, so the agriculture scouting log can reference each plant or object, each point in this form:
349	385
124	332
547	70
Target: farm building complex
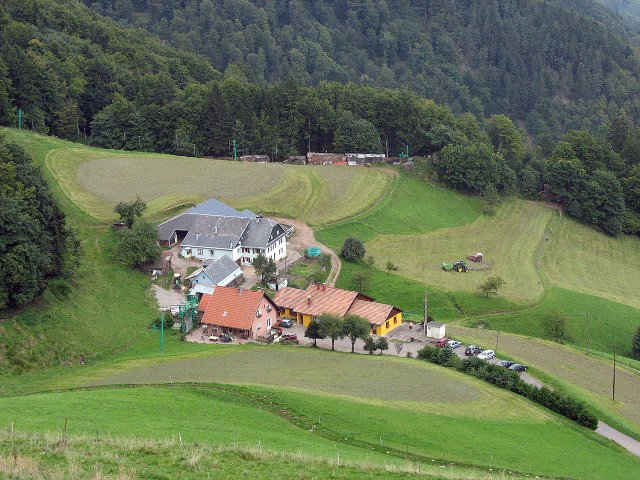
212	230
304	305
246	314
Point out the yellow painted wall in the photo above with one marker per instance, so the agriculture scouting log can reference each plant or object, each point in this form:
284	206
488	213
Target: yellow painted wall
389	325
288	313
304	320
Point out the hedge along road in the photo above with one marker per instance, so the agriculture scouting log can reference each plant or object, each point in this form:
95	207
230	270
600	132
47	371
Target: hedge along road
344	345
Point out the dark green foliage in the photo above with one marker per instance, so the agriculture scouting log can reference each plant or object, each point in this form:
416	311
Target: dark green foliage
33	234
130	211
352	250
266	268
330	327
354	328
635	344
555	326
491	285
138	245
473	168
473	55
370	345
530	182
556	401
382	344
360	280
314	331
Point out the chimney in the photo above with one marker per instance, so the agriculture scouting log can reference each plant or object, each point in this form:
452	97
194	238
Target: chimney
324	287
230	245
197	236
215	230
318	286
240	291
309	300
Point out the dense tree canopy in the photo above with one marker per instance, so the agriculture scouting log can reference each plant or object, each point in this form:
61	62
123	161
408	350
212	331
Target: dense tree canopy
33	235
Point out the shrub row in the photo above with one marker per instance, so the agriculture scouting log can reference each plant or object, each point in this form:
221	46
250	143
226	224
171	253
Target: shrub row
556	401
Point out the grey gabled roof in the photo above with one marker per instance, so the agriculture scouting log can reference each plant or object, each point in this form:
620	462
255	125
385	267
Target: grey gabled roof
261	232
201	227
221	269
217	208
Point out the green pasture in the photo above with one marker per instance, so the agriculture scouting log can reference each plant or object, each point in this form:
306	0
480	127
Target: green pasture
607	324
320	425
589	377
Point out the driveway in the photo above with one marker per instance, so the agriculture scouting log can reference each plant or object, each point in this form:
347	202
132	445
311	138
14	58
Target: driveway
166	298
302	239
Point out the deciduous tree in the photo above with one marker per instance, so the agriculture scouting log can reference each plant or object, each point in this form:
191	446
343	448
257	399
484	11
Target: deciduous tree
355	327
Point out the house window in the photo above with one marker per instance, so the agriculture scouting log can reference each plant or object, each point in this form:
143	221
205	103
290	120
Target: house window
269	322
199	251
258	326
395	320
211	252
387	325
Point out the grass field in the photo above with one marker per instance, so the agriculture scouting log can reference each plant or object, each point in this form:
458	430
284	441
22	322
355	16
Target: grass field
321	425
95	180
608	324
588	377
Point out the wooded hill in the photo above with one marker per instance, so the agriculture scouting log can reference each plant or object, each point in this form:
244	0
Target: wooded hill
559	65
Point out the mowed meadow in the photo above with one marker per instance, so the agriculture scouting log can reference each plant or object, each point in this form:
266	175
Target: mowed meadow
95	180
415	412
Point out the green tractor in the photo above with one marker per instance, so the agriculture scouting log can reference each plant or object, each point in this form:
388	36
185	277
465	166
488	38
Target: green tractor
459	266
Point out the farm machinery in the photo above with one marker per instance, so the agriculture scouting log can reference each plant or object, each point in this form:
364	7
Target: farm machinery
460	266
475	257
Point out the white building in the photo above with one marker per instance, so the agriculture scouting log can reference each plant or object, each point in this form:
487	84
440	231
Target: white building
436	330
212	230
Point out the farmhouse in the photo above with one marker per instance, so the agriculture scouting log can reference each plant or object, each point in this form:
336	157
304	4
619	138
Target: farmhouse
245	314
213	230
305	305
219	272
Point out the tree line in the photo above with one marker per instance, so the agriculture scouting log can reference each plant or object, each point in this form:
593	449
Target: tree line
558	65
37	249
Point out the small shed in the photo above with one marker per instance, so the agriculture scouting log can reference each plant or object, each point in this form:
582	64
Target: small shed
313	252
436	330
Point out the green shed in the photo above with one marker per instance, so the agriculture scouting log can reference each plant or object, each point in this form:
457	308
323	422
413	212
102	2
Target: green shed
313	252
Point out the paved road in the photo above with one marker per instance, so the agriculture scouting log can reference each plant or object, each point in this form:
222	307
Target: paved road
403	332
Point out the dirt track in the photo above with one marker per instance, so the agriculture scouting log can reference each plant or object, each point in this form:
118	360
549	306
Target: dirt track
304	238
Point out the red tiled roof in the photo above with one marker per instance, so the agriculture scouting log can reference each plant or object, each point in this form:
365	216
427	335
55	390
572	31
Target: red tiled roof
288	297
316	300
230	307
377	313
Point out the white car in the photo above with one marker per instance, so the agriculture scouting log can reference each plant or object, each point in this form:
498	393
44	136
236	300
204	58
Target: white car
453	344
486	355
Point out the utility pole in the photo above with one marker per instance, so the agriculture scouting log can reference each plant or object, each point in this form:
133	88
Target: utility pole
20	119
497	338
613	391
309	135
587	333
162	332
426	315
235	150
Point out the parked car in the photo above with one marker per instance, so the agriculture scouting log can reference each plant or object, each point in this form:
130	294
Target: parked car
442	342
286	323
505	363
472	350
518	367
289	337
486	355
453	344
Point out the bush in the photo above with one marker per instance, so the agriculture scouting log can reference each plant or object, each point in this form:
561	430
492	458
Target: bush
556	401
353	250
635	345
370	261
392	267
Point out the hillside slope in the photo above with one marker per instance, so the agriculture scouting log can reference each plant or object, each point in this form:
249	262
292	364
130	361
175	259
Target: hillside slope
507	57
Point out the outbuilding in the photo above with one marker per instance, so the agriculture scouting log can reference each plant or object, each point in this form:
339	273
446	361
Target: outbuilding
436	330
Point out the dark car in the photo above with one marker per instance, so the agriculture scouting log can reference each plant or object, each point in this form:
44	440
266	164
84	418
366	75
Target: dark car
505	363
286	323
517	367
472	350
289	337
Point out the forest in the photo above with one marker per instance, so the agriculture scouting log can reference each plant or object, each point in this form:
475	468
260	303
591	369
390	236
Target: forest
78	75
554	65
35	242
